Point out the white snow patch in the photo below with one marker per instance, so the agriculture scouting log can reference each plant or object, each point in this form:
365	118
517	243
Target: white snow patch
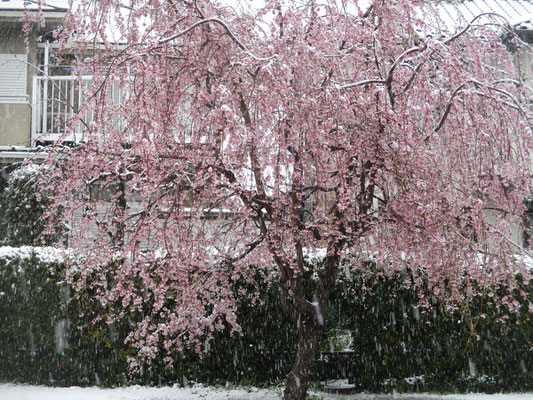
61	335
472	367
26	392
318	311
44	254
413	380
24	172
317	254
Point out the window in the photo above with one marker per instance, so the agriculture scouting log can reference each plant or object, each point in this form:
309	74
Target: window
13	77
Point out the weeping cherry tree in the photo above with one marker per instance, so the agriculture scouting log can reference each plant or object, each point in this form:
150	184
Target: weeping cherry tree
220	140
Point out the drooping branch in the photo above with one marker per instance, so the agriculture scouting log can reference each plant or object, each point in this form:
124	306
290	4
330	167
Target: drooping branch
226	28
448	107
390	74
469	26
361	83
514	103
205	21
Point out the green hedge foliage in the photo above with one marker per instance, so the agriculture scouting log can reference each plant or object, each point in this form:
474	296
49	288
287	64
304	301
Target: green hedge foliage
396	345
22	204
20	207
40	337
47	337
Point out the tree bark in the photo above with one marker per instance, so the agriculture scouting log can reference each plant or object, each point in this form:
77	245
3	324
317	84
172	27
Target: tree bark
310	324
309	334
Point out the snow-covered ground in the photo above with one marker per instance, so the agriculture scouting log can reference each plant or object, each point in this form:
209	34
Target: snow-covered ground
27	392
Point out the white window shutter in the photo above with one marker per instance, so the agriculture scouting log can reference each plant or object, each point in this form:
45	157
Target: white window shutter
13	78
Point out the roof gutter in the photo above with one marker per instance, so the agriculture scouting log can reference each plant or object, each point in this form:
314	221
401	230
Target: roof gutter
55	14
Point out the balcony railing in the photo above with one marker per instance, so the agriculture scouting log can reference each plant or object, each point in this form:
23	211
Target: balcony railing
56	100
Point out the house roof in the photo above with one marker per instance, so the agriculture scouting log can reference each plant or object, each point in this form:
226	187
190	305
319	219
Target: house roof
453	15
15	9
33	5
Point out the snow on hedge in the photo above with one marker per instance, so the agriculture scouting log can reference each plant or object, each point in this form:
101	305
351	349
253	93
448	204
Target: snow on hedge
26	171
48	255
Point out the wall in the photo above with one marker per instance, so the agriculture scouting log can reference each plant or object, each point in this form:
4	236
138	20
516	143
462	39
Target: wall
15	124
15	117
525	58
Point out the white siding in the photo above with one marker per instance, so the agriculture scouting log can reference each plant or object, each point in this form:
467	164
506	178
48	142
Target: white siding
13	78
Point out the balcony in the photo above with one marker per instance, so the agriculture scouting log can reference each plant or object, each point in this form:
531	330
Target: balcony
56	100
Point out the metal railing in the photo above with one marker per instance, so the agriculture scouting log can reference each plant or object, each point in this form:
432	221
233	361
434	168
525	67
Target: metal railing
56	100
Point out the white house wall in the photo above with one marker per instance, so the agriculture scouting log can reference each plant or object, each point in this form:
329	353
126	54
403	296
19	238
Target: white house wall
15	115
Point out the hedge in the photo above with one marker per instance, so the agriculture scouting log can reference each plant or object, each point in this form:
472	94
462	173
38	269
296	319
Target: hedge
480	347
21	207
44	340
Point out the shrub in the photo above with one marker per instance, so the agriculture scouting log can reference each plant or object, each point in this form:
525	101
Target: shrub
398	345
48	337
40	339
22	205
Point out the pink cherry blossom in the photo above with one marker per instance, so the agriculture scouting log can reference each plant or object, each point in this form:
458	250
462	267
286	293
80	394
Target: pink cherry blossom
245	140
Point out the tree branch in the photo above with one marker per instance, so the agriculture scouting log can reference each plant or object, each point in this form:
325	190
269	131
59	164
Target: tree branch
361	83
226	28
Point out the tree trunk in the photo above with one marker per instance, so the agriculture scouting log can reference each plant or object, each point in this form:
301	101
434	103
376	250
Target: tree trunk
309	334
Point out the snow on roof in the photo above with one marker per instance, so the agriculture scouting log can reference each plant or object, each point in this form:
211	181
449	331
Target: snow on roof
453	15
33	5
443	16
